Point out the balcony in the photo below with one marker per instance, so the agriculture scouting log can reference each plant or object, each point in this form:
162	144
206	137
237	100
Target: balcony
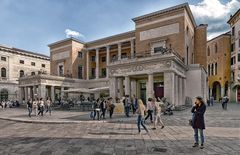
147	55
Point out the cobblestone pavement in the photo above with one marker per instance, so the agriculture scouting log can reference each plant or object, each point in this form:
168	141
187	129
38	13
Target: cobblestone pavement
119	136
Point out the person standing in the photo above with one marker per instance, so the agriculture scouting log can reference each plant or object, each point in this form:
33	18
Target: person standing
127	105
211	100
41	107
157	114
96	109
149	110
198	123
111	107
49	106
140	112
35	106
29	106
134	104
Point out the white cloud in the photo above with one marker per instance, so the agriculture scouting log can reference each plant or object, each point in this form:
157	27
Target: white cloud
215	14
70	33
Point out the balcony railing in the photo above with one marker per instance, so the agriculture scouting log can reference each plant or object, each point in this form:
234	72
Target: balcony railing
146	54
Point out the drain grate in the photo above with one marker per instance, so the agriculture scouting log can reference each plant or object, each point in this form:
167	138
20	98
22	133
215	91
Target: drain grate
158	149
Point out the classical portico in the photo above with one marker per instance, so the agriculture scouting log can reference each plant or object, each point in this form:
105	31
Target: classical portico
160	74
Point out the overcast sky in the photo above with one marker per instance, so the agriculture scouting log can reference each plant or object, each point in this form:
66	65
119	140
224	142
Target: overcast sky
33	24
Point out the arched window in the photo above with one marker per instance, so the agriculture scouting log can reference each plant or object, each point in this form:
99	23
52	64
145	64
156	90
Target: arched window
21	73
216	48
208	51
3	72
32	73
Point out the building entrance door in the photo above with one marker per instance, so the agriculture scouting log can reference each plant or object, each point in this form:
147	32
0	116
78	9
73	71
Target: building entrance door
143	92
159	90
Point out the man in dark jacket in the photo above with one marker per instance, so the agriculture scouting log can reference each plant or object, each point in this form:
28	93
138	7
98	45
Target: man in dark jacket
29	106
198	121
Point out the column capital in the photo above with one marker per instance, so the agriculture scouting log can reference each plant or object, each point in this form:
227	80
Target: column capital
107	47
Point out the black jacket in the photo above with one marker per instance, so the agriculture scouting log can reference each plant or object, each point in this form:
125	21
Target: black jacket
198	118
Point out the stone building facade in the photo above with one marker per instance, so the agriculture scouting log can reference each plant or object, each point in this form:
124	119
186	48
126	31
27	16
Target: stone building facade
164	56
219	62
17	63
234	23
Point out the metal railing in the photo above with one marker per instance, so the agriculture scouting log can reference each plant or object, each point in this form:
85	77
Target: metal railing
146	54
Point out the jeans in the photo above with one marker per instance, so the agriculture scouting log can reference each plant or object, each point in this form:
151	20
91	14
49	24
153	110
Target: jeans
49	109
111	112
41	111
96	112
200	131
149	115
127	110
103	113
29	111
140	122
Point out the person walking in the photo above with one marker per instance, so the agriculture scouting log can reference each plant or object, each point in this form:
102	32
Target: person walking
149	110
111	106
35	106
140	112
103	107
225	102
134	104
157	114
96	109
29	107
198	123
49	106
41	107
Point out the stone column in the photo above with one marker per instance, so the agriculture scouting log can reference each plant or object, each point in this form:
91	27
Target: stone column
20	90
119	51
113	88
132	48
134	87
52	94
210	94
97	63
127	85
180	98
184	90
150	91
34	90
108	59
176	92
222	91
42	91
87	65
120	87
62	93
26	93
169	86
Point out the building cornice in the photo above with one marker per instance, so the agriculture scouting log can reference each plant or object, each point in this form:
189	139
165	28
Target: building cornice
233	16
24	52
164	11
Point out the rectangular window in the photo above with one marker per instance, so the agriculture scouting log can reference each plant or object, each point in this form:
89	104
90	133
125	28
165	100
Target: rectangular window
233	31
238	42
93	73
104	72
60	70
80	72
43	65
80	54
103	59
158	49
21	61
33	63
238	57
3	58
93	58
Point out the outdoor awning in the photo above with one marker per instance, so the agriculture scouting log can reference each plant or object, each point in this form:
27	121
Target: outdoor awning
86	90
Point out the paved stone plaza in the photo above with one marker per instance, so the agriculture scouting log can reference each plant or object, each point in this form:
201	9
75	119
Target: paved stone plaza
71	133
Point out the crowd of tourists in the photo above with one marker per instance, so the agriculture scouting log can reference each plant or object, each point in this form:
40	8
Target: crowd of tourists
9	104
100	107
39	106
